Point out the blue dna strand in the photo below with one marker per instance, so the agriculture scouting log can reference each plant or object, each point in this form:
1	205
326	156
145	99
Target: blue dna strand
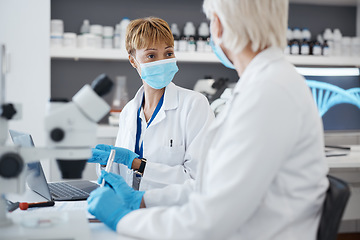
327	95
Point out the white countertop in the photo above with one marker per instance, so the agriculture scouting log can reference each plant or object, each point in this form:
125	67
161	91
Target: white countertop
100	231
352	160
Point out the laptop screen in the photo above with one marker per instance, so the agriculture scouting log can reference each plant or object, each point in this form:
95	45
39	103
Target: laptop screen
35	177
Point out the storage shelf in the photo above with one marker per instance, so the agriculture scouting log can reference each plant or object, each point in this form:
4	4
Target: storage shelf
330	61
93	54
119	55
195	57
326	2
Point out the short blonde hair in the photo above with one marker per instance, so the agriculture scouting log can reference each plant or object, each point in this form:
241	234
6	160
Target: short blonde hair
144	32
262	23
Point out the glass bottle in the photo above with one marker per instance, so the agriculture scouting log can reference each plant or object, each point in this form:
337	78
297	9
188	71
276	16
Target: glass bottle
120	99
176	33
85	27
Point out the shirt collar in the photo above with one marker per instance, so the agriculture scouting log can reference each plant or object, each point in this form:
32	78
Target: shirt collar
170	97
260	61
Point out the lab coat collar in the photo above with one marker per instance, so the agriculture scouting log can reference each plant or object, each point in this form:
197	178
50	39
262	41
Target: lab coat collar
170	101
170	97
259	62
138	98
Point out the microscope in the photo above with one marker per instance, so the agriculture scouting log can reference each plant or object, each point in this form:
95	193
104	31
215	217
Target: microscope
70	128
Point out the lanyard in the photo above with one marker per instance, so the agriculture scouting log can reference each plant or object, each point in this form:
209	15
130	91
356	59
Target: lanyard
139	150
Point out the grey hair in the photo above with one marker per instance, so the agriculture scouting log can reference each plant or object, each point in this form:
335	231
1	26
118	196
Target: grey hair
262	23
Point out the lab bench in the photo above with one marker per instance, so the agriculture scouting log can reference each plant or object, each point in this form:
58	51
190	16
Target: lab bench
345	167
74	221
348	168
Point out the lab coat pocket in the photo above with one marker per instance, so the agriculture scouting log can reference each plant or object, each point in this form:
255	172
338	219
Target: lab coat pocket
172	156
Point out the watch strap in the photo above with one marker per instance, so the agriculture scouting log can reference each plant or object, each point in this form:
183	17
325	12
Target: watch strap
142	165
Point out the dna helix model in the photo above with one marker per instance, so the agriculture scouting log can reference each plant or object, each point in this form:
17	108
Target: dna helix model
327	95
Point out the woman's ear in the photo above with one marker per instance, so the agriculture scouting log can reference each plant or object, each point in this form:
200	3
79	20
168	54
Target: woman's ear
216	26
132	61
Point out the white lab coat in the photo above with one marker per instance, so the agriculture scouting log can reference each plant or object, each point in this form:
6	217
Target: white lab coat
263	171
183	119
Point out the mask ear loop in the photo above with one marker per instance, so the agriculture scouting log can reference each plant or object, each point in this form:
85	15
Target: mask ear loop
138	65
216	41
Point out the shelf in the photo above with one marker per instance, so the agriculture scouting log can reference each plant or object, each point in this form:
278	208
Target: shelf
118	55
333	61
326	2
93	54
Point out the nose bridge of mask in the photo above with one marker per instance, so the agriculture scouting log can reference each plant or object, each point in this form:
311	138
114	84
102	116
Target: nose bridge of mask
158	67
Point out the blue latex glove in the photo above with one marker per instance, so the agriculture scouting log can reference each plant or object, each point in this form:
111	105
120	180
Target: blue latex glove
106	206
131	197
101	154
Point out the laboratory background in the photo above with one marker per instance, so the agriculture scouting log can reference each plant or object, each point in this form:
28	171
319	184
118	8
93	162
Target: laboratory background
53	48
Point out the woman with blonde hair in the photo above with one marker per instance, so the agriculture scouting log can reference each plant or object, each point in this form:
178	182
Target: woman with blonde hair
262	174
162	127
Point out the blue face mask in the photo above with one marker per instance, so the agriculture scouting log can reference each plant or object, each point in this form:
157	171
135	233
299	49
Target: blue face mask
221	55
160	73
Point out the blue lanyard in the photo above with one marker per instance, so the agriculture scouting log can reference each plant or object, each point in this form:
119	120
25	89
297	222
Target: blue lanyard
139	150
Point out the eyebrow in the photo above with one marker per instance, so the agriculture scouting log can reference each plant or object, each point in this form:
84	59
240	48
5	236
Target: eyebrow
149	49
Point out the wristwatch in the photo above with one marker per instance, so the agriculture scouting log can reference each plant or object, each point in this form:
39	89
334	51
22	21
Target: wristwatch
142	166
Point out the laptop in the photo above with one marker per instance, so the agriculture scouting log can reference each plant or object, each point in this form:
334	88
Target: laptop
55	191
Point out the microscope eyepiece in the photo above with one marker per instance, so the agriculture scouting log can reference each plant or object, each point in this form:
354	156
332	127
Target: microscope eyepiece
102	84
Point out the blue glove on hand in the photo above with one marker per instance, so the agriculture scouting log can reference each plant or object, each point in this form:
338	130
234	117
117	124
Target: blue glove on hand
101	154
106	206
131	197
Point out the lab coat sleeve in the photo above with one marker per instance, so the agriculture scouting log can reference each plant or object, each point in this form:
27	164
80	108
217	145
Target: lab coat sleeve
198	119
248	150
179	194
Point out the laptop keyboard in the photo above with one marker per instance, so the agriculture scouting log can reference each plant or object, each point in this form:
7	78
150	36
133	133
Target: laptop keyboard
65	190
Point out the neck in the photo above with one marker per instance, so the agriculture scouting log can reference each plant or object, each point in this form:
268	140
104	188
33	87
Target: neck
242	59
152	97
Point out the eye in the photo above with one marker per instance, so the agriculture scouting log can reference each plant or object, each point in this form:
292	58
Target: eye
151	56
170	54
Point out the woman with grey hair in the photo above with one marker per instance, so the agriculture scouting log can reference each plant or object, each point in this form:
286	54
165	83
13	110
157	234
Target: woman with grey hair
263	171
